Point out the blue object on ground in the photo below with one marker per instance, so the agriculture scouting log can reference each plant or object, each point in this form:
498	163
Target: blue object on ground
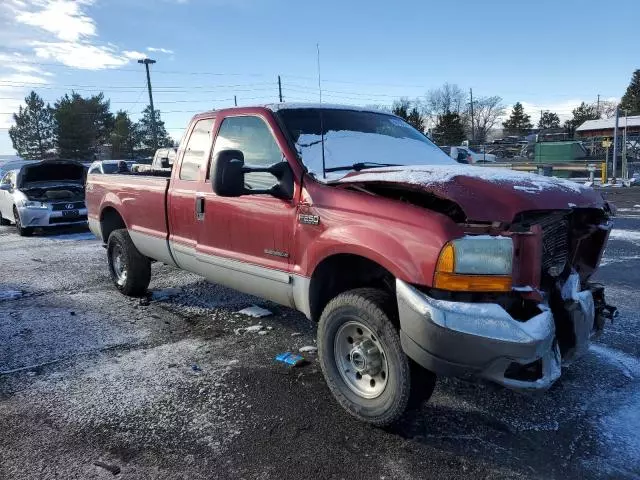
289	358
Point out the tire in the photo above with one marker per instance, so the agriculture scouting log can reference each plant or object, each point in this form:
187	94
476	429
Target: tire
22	231
130	270
382	399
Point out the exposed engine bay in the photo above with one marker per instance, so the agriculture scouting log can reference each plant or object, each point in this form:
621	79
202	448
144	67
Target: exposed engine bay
55	193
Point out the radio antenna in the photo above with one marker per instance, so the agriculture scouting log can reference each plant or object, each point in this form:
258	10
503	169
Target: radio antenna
324	173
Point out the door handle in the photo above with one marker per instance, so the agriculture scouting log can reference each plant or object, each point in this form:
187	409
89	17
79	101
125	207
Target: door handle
200	208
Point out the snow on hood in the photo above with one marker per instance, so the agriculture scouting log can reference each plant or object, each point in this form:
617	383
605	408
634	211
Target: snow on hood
436	174
486	194
348	147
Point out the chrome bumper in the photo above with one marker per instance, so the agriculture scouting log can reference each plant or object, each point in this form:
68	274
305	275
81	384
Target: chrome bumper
455	338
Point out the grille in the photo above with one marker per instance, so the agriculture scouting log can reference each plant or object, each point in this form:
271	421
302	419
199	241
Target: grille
555	245
79	218
57	207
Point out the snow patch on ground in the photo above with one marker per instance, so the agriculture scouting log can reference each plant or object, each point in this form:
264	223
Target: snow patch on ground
632	236
255	312
630	366
10	295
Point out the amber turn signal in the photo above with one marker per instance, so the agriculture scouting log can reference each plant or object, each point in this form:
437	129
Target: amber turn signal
472	283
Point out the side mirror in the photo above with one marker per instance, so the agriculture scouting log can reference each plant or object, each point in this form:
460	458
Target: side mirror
227	175
6	187
164	163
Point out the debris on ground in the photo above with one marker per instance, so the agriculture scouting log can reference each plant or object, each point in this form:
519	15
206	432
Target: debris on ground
259	328
196	368
144	302
253	328
290	358
10	294
269	328
296	334
308	349
255	312
114	469
263	332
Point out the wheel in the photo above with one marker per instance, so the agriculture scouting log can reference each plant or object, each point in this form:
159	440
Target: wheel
129	269
362	359
22	231
4	221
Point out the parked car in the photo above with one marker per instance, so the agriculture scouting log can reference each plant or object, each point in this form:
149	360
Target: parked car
43	194
413	266
110	166
162	161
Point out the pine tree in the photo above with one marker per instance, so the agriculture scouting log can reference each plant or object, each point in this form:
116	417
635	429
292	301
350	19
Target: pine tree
415	120
519	123
549	120
631	99
581	114
82	124
33	133
449	129
124	136
401	108
145	130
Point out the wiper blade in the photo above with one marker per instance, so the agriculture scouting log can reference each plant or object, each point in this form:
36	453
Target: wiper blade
361	166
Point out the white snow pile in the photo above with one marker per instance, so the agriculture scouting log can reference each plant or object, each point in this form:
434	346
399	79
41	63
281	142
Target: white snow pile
259	329
628	365
347	147
10	295
255	312
438	174
308	349
632	236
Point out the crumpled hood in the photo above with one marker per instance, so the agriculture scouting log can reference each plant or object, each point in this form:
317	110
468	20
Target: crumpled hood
486	194
57	171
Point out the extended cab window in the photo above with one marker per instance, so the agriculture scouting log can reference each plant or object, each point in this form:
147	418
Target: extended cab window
253	138
199	142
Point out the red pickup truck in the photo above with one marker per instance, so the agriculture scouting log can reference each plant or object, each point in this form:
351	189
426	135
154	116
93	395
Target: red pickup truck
412	265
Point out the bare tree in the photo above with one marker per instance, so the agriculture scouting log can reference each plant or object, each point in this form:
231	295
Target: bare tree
607	109
449	98
486	112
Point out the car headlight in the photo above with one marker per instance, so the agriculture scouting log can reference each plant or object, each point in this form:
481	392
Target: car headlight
475	264
32	204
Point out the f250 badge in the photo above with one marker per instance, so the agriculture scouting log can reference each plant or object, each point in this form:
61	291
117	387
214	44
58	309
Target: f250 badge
309	219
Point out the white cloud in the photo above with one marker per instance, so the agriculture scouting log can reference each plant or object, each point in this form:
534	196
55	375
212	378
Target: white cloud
133	55
160	50
12	91
63	18
80	55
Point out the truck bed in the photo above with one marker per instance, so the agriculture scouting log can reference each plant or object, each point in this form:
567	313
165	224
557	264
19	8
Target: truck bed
141	201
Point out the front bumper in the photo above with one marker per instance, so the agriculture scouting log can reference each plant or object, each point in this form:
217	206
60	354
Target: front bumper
42	218
455	339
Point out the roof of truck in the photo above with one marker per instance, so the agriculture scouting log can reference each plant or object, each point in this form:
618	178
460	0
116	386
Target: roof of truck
274	107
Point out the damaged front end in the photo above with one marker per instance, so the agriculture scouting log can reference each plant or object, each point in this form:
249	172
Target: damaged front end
517	338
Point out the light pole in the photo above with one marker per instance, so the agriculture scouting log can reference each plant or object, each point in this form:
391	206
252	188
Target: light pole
146	62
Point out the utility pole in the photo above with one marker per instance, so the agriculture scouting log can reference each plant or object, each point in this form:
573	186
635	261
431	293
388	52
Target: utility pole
235	100
625	172
473	130
146	62
598	105
280	88
615	146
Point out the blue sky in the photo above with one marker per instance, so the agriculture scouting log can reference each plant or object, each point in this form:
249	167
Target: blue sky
548	55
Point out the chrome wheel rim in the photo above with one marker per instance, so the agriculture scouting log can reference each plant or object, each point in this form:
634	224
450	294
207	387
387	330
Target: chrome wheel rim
119	265
361	359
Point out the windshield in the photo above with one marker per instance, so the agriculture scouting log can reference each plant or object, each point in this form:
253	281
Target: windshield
357	137
110	167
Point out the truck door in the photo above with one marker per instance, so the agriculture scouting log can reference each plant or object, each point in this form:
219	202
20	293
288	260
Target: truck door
185	207
246	241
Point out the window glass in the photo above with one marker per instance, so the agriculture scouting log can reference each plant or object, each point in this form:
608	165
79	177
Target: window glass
10	177
199	142
253	138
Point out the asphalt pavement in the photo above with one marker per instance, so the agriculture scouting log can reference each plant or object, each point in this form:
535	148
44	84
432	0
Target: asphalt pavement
94	385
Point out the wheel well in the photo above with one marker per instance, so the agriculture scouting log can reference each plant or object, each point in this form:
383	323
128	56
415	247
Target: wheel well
343	272
110	220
